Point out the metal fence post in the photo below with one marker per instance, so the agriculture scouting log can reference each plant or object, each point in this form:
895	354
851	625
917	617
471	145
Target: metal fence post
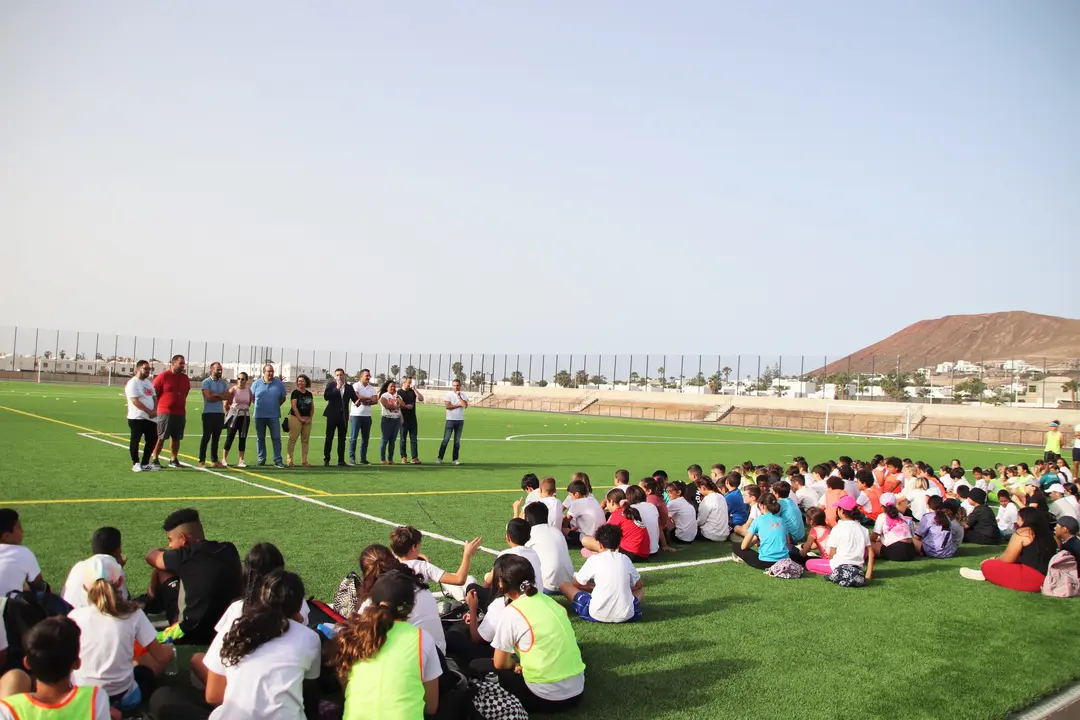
116	349
543	359
738	372
14	347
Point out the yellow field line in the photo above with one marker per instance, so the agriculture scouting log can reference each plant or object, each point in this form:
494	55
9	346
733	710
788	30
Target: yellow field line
189	457
406	493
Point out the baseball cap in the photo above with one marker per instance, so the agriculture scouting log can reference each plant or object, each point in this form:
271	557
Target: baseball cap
845	503
978	495
101	567
1069	523
1054	423
888	499
1056	487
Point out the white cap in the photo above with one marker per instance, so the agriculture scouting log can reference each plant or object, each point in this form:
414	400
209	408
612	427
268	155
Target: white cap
1056	487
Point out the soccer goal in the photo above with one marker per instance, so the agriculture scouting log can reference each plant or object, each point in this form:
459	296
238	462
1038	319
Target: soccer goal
868	421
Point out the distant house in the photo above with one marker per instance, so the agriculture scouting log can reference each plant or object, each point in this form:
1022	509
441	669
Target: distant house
1046	392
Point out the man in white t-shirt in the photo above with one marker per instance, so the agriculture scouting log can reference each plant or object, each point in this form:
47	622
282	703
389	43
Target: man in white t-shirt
141	401
360	416
18	566
455	402
608	587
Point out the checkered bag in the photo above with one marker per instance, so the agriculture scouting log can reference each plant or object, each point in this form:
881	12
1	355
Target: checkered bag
492	702
345	597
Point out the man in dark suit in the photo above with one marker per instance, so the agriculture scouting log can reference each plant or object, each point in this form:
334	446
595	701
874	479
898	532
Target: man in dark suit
339	396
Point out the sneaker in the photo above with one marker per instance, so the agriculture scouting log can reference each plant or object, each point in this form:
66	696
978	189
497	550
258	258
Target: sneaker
364	462
416	461
175	464
969	574
457	462
201	466
156	463
404	460
279	465
136	468
241	464
439	461
220	465
385	463
151	468
341	464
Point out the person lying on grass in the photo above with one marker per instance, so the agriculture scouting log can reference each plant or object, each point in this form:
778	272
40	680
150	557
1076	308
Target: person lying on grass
607	588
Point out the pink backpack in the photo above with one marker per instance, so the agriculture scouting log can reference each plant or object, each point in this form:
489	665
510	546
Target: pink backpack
1062	579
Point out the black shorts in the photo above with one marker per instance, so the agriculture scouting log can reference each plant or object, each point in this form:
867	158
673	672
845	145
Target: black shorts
573	539
1076	454
171	427
898	552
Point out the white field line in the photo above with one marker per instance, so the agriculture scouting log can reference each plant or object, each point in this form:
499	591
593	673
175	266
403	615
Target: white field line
313	501
673	566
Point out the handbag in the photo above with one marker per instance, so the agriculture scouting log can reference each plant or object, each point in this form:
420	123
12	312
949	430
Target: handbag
285	424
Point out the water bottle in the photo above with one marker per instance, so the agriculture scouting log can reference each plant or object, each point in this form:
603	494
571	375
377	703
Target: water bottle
491	678
174	666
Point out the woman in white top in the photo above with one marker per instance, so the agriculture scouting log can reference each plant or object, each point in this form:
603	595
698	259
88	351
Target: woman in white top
712	516
237	416
391	422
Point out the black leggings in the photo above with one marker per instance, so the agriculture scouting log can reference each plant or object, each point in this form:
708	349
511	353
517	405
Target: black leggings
212	424
173	703
898	551
514	683
146	431
408	430
240	425
750	557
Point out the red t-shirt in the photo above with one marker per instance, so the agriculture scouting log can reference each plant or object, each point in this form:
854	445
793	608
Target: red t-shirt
172	389
661	507
635	539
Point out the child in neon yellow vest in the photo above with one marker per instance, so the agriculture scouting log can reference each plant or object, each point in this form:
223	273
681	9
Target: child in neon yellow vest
549	675
52	653
390	669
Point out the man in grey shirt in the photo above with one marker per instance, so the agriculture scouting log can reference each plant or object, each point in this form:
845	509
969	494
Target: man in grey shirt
213	417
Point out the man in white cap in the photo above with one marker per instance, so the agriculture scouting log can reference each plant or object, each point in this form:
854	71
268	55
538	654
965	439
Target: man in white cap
1059	506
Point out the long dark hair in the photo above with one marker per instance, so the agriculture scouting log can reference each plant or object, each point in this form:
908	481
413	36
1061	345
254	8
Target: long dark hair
772	505
392	598
513	573
262	559
375	561
617	496
1039	522
280	597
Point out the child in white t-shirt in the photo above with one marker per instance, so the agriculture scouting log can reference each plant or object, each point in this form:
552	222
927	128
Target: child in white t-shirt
547	497
405	544
850	561
583	513
115	633
18	566
550	546
530	484
682	513
105	541
608	587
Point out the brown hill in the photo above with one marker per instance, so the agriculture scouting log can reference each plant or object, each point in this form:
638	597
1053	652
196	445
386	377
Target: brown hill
976	338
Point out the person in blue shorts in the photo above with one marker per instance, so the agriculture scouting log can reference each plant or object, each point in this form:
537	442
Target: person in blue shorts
607	588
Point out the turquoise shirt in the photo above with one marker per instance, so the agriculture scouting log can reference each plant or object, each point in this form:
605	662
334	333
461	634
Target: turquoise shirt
793	519
217	387
772	534
268	398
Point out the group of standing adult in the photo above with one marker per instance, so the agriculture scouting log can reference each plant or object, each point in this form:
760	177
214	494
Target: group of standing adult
157	411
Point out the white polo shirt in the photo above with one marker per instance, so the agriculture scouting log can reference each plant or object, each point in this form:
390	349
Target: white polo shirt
453	399
364	392
142	391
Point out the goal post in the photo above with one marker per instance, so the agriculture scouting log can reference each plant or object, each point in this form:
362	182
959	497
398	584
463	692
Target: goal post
844	419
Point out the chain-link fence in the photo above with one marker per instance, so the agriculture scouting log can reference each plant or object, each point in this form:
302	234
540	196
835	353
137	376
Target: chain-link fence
92	357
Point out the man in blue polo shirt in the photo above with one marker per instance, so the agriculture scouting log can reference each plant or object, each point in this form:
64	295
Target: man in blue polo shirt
213	414
270	395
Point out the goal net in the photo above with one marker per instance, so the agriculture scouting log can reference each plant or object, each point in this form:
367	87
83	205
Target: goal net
848	419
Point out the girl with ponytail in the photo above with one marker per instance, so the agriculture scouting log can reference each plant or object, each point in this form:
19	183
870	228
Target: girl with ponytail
114	633
768	529
893	537
257	668
932	536
712	519
388	667
376	561
551	676
635	536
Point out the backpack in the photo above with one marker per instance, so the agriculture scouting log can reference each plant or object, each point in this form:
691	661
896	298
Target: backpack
1062	579
490	701
345	597
21	610
786	569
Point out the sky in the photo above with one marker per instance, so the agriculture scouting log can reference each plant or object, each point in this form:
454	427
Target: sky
691	177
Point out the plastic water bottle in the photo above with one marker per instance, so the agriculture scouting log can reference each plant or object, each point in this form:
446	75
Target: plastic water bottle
491	678
174	666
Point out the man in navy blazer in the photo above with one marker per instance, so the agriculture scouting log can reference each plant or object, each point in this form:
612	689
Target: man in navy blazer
339	396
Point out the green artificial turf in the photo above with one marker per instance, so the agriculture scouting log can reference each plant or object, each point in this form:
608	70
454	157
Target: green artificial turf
717	640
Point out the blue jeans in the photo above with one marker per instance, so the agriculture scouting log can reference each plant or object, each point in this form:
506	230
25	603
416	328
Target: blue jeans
453	427
390	427
362	426
261	424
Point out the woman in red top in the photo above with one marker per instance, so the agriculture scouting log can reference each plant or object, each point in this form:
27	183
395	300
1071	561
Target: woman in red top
635	538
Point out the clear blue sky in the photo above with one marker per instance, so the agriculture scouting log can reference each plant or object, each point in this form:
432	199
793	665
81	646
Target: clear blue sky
560	176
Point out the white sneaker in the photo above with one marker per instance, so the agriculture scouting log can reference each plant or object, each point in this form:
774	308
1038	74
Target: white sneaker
457	462
150	468
241	464
970	574
136	468
439	461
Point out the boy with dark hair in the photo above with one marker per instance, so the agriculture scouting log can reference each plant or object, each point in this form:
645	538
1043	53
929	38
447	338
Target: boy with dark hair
18	565
793	518
550	546
531	485
622	479
694	472
847	474
52	653
738	511
194	580
1065	531
981	526
719	470
405	544
608	587
105	541
584	514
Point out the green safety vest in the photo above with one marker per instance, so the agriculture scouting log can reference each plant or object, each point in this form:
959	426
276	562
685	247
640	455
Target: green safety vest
388	686
554	654
79	705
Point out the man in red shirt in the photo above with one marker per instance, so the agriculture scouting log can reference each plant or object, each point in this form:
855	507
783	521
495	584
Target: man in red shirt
172	388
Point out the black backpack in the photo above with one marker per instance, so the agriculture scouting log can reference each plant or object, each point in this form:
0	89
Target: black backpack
22	610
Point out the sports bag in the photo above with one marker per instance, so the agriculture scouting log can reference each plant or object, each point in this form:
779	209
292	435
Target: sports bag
1062	579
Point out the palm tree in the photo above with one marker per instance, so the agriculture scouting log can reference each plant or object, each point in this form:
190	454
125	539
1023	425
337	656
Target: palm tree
410	371
63	354
517	379
1071	387
726	373
581	378
394	371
